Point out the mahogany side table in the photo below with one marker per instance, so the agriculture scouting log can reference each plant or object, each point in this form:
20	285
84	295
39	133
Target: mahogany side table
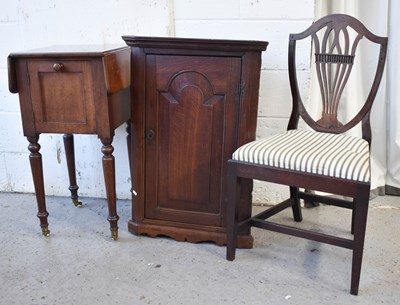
72	90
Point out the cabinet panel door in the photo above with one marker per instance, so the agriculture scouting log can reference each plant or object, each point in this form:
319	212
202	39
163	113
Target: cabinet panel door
62	98
192	107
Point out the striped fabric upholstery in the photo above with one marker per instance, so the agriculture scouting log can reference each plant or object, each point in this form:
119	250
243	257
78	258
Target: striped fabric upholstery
333	155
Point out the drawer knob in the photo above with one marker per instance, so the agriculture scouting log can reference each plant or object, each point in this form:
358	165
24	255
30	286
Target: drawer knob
58	67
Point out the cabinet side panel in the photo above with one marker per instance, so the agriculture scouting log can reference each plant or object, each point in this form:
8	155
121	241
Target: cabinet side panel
138	102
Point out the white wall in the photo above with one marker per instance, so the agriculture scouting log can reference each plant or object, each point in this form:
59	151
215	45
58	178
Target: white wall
26	24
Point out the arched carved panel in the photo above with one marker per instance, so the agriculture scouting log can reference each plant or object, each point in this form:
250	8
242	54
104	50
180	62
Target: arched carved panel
189	140
190	80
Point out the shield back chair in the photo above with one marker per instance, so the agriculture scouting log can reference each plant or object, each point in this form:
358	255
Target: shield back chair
321	158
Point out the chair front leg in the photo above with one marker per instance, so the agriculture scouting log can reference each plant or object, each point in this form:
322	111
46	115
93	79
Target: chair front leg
231	211
360	222
353	216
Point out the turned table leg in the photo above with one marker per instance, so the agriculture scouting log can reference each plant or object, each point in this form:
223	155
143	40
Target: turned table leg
35	159
109	178
70	156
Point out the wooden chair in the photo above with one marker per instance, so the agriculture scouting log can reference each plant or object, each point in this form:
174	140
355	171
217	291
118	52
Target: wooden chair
320	159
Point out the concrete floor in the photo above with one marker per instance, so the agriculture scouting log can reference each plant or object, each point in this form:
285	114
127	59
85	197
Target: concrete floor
80	264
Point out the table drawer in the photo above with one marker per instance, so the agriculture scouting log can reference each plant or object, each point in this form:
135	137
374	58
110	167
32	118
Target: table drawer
62	95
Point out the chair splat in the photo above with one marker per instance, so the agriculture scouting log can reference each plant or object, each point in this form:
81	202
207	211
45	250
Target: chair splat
334	58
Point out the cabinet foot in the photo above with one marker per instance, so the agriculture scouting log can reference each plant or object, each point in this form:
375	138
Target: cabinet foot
187	233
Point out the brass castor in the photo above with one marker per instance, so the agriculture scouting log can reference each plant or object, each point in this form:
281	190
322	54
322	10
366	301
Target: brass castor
45	231
77	203
114	235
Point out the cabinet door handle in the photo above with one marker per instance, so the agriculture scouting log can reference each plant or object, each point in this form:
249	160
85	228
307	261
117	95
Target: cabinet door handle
58	67
150	135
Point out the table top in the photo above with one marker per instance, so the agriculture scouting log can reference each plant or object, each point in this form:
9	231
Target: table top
196	43
69	51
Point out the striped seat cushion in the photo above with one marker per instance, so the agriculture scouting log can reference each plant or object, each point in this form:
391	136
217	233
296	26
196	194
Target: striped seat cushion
333	155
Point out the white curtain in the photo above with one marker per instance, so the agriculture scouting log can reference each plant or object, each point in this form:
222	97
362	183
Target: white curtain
381	17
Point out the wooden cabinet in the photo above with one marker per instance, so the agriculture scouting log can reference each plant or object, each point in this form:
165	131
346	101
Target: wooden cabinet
72	89
194	101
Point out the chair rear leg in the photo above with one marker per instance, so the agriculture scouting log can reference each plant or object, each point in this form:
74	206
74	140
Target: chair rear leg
360	222
231	212
310	203
296	208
